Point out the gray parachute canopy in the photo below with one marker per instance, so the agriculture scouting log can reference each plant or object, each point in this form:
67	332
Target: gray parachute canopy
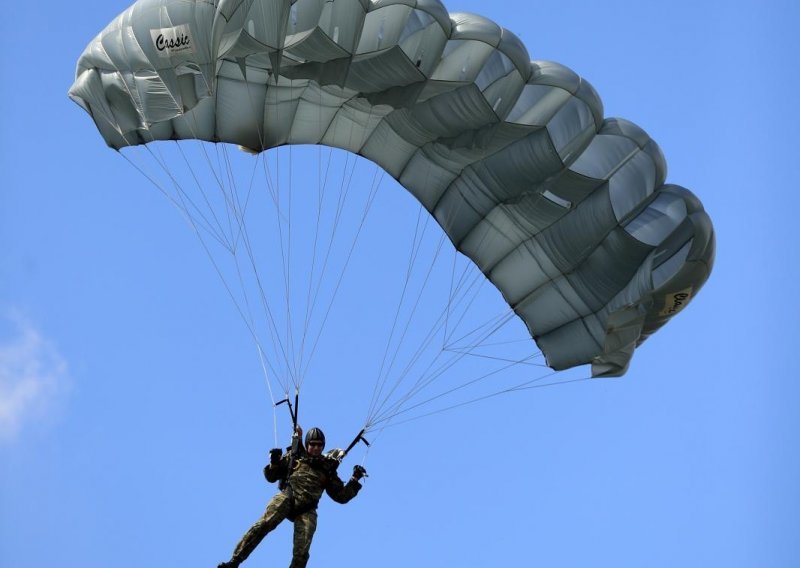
565	212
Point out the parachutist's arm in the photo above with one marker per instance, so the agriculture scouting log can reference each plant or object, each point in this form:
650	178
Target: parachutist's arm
338	490
296	449
275	471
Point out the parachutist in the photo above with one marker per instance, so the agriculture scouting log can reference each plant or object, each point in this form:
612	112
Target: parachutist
306	473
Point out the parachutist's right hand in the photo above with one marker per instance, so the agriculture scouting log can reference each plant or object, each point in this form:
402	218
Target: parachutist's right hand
275	455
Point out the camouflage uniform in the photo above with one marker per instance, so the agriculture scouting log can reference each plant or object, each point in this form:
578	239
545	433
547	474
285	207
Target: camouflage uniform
297	502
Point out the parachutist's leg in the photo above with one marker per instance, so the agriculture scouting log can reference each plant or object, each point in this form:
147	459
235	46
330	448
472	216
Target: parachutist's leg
304	527
277	509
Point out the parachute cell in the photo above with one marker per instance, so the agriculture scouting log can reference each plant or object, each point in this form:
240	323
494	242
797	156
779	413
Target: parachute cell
565	212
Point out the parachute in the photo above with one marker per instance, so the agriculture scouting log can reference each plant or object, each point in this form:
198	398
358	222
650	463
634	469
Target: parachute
566	213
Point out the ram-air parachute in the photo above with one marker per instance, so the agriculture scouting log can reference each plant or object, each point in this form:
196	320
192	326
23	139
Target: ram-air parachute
565	212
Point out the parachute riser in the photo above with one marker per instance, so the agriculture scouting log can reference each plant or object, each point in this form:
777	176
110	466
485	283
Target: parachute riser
295	448
292	409
359	438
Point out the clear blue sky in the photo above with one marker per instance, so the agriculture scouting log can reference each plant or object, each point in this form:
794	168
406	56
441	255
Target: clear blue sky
134	419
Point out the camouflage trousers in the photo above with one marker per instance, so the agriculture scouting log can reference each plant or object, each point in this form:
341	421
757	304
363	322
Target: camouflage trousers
278	509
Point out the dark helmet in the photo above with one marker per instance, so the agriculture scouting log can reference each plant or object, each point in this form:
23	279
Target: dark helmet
315	435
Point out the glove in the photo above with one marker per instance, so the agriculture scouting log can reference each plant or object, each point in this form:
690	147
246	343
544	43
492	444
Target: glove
337	454
359	472
275	455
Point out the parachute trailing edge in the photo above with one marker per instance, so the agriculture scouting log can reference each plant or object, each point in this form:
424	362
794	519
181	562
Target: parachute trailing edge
565	212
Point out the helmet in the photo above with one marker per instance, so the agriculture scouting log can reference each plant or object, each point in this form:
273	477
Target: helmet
315	435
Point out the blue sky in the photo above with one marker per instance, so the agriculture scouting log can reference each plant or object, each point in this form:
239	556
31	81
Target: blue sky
134	418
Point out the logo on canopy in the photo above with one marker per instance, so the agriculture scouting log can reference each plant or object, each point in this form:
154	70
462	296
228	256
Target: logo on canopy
174	40
673	303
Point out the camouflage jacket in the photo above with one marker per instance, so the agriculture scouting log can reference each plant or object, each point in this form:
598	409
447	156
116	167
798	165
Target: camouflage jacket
310	477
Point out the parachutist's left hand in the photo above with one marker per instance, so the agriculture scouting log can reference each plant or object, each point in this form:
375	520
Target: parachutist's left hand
359	472
337	454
